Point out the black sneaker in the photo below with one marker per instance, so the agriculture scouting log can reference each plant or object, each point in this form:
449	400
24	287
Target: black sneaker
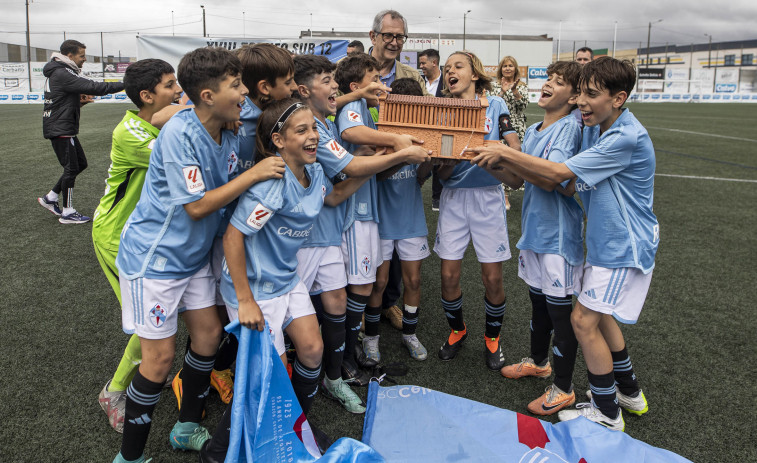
363	361
51	206
494	360
353	375
449	351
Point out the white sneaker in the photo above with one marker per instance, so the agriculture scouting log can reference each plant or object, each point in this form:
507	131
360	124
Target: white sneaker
114	405
637	405
592	413
417	351
371	348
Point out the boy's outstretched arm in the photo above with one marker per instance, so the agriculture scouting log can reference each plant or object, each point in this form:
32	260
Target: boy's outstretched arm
501	156
368	93
213	200
343	190
250	314
362	135
369	165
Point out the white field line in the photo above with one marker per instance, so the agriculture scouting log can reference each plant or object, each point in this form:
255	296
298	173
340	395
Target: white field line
703	133
720	179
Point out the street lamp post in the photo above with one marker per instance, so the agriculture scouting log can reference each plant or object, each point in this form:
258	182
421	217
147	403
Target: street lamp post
499	47
465	15
649	35
244	32
709	52
204	30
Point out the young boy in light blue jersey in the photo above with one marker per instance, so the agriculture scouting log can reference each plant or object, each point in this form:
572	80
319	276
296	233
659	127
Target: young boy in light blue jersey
163	259
403	230
551	245
614	175
321	264
472	208
361	245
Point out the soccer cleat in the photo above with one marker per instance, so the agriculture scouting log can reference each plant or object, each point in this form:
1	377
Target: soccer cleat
341	392
526	367
188	436
592	413
51	206
114	405
223	383
177	388
74	217
552	401
371	348
637	405
394	315
417	351
449	351
353	375
121	459
494	360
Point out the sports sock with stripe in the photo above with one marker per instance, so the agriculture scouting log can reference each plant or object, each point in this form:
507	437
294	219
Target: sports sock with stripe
195	384
355	307
128	365
305	384
332	331
409	319
454	311
603	394
141	397
495	314
372	319
623	371
564	343
227	352
541	326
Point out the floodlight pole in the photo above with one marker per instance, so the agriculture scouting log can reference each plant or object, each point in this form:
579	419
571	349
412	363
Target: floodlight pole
244	32
614	38
649	35
204	30
173	26
465	15
29	48
102	55
559	35
499	46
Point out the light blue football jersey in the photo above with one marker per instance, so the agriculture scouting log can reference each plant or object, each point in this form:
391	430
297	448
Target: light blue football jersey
616	184
400	205
364	206
160	240
276	217
332	157
249	118
552	223
465	174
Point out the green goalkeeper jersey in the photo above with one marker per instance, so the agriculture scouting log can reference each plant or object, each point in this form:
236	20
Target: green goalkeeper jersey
133	140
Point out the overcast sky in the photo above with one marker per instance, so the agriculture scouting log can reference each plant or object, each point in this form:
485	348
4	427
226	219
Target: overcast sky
683	22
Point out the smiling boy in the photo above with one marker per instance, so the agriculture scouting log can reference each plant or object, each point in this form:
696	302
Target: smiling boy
614	175
163	259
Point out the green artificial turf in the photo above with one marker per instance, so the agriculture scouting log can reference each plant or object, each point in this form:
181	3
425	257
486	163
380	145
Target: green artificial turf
60	322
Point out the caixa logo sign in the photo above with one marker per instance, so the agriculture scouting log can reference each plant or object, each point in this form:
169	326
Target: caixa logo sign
3	97
120	96
17	97
537	73
32	96
725	88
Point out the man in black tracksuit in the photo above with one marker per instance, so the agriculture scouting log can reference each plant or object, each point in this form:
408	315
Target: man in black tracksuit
66	90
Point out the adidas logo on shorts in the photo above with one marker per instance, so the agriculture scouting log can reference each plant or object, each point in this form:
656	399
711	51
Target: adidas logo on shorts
557	284
591	294
502	248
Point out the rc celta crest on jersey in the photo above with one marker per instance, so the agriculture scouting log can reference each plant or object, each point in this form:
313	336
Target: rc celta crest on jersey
157	315
365	265
233	160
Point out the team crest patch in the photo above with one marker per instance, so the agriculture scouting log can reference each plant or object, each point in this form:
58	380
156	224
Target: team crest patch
336	149
233	160
354	117
522	262
323	191
193	179
260	215
365	265
488	125
158	315
546	150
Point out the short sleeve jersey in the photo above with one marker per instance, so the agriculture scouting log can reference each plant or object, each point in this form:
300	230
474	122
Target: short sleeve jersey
132	143
332	157
616	184
364	207
551	222
249	118
400	206
276	217
160	240
465	174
